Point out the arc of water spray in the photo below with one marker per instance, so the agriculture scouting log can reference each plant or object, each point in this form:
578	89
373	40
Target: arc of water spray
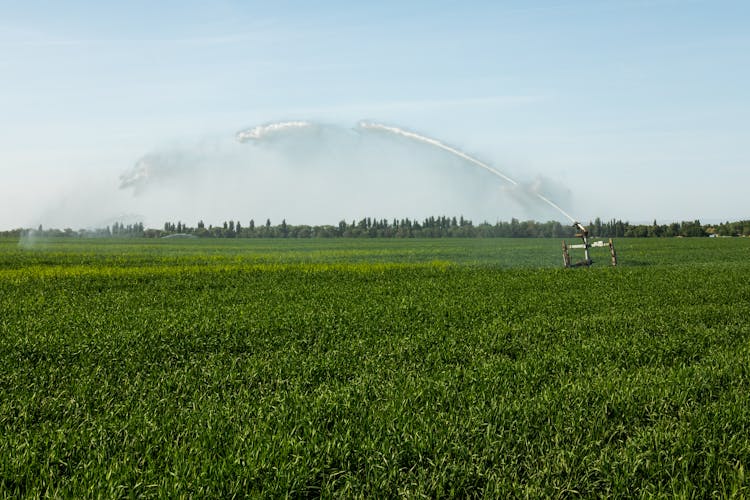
436	143
263	132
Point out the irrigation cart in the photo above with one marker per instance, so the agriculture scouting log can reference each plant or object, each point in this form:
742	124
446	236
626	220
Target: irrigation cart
583	233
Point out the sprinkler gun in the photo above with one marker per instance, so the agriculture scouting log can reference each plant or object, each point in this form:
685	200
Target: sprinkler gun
584	235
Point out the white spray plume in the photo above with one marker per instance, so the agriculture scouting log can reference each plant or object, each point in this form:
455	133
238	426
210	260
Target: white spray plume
267	130
138	175
309	169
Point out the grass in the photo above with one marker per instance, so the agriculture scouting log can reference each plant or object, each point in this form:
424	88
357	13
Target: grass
373	368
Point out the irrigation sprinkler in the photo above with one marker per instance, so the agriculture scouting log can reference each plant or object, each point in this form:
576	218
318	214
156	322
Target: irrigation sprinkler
583	233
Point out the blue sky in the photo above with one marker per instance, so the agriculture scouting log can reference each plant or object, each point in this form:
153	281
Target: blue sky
631	109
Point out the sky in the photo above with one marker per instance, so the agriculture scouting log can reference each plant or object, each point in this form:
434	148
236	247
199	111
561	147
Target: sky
630	109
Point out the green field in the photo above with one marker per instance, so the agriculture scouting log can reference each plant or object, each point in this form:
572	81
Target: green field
373	368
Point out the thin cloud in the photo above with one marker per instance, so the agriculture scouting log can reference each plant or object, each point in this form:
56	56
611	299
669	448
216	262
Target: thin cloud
260	32
504	101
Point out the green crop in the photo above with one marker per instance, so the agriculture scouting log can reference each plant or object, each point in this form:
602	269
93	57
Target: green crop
375	369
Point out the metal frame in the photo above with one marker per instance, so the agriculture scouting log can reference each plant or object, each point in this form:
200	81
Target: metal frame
584	235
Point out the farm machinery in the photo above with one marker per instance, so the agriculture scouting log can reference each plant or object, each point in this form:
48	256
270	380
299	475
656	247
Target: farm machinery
583	233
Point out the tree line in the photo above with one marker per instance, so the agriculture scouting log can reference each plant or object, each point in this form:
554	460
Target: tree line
368	227
452	227
430	227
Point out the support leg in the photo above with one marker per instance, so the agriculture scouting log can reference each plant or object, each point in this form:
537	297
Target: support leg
566	256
